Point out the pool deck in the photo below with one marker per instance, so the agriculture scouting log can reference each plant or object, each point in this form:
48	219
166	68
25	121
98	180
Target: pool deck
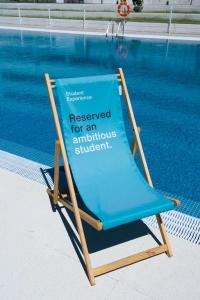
38	255
72	30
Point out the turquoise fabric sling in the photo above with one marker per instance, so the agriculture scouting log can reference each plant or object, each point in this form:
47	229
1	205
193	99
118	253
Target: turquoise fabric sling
103	168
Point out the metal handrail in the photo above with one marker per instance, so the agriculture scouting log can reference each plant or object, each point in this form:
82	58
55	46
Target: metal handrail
112	25
121	25
107	30
118	28
170	19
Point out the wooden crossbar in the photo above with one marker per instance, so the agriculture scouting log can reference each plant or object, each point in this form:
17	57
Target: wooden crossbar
52	81
177	202
96	224
129	260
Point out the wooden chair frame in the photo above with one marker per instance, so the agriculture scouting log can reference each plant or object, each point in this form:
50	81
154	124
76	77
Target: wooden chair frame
80	214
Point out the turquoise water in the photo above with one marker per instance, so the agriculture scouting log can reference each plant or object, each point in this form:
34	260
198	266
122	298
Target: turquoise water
163	78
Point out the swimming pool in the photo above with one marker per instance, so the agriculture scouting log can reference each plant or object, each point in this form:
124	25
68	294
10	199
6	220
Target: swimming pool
163	78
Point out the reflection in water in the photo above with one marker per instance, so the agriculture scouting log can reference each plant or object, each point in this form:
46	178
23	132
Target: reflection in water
22	38
122	50
167	48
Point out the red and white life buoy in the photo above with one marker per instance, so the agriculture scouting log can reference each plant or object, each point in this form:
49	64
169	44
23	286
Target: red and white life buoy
123	9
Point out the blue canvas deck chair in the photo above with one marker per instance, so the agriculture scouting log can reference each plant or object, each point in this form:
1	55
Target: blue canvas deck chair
99	162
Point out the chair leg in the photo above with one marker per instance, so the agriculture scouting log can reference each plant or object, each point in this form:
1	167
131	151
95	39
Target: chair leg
77	216
56	173
90	271
134	146
89	268
164	235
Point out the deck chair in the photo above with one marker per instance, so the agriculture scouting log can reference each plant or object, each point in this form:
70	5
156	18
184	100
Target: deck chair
98	162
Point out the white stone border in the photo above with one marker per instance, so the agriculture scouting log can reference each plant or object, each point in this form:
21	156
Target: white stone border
139	36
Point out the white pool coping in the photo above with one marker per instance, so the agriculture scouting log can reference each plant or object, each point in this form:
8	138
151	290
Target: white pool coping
139	36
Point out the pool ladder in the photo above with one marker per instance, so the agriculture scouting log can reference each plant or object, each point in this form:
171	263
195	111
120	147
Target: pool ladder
110	31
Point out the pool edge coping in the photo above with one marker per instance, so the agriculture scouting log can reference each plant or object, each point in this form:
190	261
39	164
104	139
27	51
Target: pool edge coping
76	32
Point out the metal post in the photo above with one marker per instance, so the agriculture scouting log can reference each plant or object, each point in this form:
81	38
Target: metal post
84	19
49	11
107	29
112	28
118	29
19	15
170	20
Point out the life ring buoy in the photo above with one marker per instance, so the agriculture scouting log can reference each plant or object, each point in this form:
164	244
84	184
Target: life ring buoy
124	9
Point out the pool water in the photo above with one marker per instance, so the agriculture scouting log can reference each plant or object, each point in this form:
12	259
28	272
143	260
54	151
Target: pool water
163	79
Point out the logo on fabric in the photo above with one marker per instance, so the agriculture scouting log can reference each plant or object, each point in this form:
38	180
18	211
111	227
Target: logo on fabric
77	96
